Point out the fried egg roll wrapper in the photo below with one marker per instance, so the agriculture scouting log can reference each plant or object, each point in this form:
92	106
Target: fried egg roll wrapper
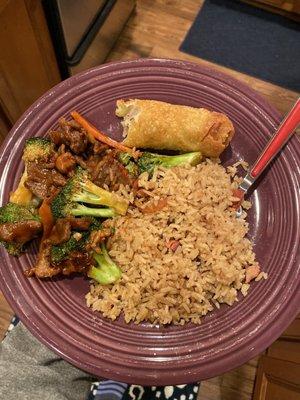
151	124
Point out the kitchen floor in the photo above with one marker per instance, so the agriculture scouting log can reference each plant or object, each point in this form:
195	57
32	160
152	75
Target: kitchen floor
156	29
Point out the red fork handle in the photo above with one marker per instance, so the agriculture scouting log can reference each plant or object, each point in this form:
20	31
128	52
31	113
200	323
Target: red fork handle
283	133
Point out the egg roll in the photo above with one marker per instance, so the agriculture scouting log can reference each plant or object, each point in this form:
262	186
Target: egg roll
152	124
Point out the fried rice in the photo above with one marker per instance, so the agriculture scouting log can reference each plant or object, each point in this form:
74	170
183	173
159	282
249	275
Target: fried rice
181	248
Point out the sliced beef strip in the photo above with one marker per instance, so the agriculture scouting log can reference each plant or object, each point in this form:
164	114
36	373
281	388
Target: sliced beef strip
70	134
61	231
80	224
92	162
97	237
104	167
43	268
77	262
42	181
80	161
91	159
109	171
20	232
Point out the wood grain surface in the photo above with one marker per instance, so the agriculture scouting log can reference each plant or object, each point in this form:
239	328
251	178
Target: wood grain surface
27	64
5	316
156	29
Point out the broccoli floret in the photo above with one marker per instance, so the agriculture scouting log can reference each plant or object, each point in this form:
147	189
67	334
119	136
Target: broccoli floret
106	271
62	251
127	160
37	148
12	213
79	189
133	169
148	161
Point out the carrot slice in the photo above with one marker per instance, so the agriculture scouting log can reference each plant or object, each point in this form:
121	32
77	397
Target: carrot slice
93	131
47	218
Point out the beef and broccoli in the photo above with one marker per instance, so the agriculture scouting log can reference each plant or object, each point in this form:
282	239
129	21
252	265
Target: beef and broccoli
66	194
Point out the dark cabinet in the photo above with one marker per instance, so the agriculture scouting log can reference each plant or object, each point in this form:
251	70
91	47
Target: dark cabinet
27	63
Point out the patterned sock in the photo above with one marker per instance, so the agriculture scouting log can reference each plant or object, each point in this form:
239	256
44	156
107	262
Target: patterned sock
109	390
178	392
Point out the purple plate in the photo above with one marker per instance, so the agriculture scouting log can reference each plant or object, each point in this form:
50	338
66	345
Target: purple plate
54	310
